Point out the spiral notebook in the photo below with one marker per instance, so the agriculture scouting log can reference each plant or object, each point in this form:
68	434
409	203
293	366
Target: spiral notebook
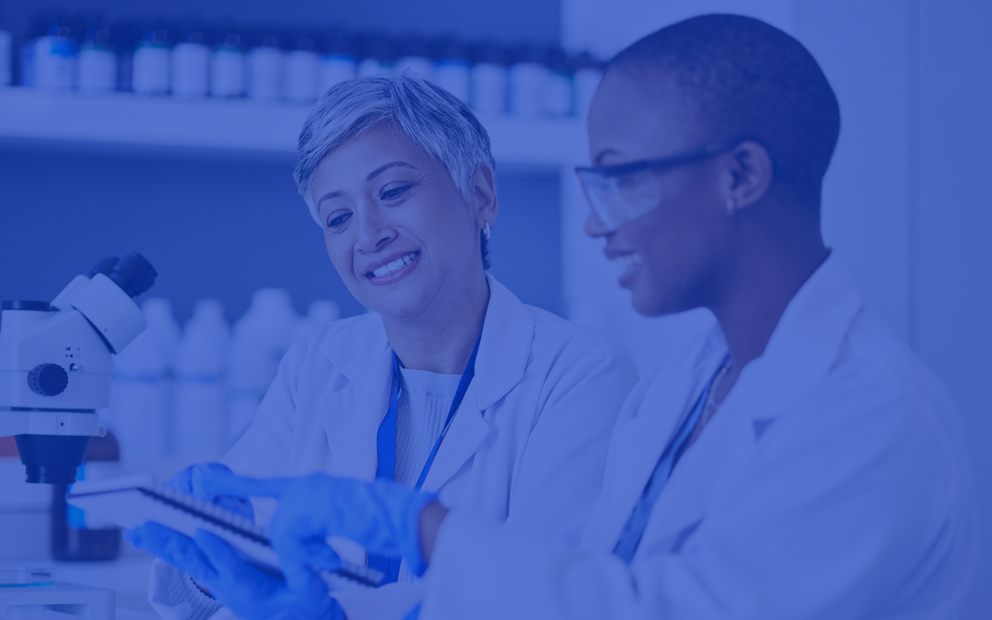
130	501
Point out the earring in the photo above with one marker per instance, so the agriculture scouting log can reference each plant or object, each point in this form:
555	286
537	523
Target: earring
730	207
486	232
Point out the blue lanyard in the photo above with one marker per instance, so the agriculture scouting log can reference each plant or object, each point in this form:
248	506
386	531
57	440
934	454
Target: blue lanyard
633	530
385	444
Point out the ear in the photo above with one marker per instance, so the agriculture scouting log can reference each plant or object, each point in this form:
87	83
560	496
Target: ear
749	175
484	202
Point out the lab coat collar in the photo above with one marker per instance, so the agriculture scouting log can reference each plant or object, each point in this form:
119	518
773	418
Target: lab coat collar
806	342
803	348
355	346
360	351
652	415
507	334
504	349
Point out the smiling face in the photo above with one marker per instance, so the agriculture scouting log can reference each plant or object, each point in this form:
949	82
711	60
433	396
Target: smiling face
397	229
669	257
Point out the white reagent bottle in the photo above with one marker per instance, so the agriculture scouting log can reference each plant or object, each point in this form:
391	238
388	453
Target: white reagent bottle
201	424
266	69
141	392
190	77
260	339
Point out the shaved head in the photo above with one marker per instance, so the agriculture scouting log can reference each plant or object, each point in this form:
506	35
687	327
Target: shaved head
738	78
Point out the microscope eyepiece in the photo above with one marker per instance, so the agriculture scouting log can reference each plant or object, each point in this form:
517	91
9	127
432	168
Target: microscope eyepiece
133	273
105	266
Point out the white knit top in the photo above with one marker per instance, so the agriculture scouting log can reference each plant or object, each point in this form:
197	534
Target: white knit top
425	398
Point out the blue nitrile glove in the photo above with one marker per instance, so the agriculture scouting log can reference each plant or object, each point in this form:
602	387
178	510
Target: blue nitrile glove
247	591
191	480
382	516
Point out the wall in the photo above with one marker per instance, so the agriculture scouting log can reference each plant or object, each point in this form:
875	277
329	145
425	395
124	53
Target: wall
955	223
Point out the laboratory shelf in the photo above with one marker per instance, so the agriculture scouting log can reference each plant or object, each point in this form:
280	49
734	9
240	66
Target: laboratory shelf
231	127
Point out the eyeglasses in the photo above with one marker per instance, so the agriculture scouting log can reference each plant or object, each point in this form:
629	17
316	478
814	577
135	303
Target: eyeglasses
620	194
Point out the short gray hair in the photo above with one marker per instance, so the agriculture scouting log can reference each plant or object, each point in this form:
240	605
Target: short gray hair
433	119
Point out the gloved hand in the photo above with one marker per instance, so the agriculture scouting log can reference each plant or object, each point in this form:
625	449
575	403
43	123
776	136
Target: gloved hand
382	516
193	480
247	591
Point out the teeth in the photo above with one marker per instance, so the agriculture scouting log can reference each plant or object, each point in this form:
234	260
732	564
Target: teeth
626	262
389	268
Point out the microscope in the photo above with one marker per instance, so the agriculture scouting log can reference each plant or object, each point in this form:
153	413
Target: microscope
56	364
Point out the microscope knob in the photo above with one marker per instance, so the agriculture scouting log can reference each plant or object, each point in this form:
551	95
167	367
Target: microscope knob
48	379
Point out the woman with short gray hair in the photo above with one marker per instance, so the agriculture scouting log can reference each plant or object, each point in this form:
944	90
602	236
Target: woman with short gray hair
450	384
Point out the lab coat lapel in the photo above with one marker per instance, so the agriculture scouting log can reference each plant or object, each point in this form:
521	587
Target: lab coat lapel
801	351
351	415
639	442
504	348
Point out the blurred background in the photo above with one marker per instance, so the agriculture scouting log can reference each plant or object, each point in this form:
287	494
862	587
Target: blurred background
170	128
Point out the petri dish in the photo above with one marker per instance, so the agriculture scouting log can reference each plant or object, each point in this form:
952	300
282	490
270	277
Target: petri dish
18	576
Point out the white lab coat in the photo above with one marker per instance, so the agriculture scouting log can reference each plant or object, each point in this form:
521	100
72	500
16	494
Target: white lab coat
527	445
833	482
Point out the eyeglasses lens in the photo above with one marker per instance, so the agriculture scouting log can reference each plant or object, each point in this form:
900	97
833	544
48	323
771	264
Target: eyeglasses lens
622	198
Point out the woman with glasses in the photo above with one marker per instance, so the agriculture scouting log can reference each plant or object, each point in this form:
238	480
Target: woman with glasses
798	461
451	386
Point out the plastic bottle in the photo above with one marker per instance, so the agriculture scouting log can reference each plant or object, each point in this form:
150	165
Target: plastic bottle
559	93
190	75
451	70
141	389
588	74
415	58
266	68
50	58
152	60
527	82
201	424
489	80
338	62
377	57
6	55
302	62
227	64
78	536
97	58
126	36
260	339
320	312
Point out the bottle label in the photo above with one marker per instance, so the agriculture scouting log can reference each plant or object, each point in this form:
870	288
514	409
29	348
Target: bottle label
190	70
97	70
301	76
528	88
151	70
227	73
489	88
54	63
265	73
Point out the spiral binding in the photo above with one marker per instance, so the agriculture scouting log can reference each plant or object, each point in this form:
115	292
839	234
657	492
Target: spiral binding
247	529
